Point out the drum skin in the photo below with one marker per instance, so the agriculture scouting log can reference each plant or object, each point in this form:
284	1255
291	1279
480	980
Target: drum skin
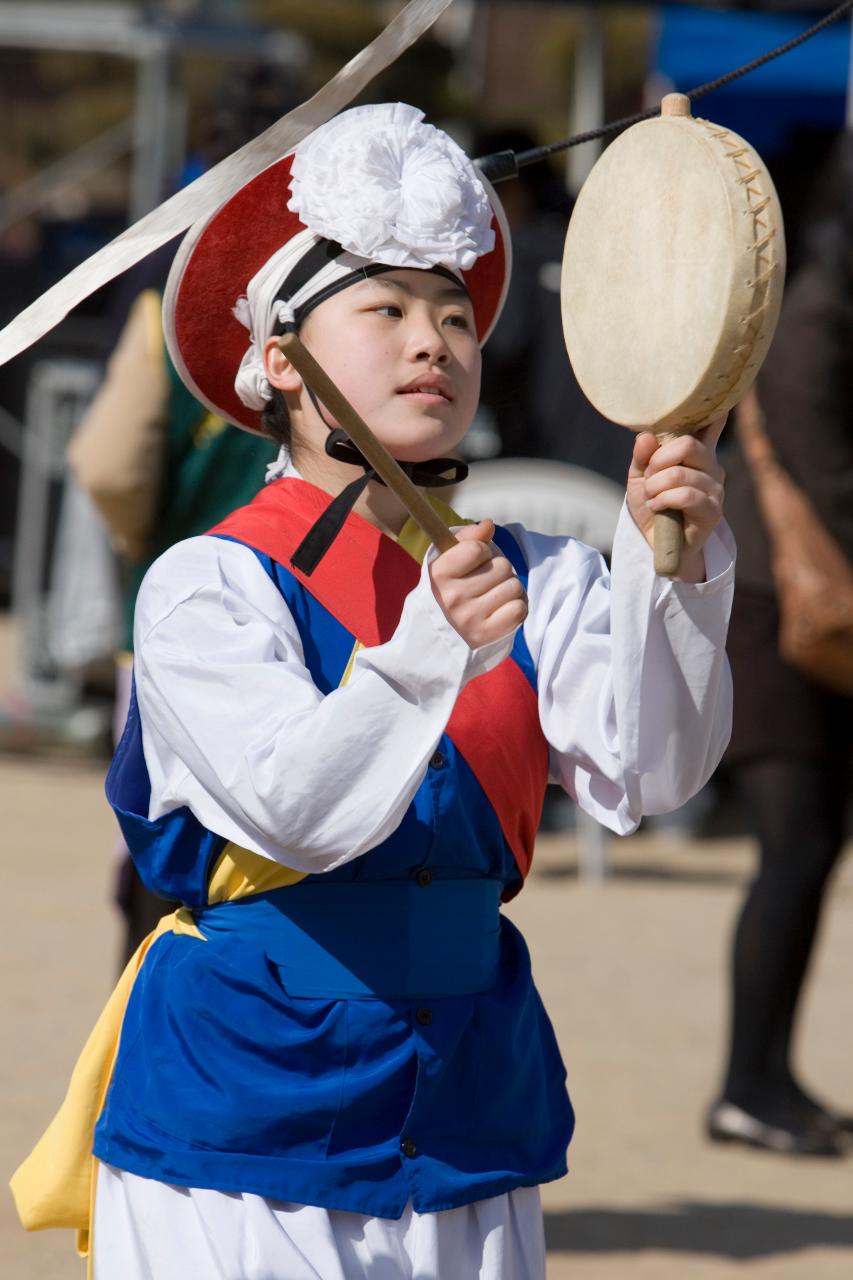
673	274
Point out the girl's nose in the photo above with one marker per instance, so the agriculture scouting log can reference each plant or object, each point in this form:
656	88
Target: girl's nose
428	343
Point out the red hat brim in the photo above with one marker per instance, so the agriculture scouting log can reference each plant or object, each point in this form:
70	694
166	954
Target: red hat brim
219	256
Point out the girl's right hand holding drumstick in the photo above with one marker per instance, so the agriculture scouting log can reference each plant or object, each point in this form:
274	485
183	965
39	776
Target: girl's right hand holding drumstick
477	588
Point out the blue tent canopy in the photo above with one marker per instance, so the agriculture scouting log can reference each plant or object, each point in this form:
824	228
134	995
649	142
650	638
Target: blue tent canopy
803	89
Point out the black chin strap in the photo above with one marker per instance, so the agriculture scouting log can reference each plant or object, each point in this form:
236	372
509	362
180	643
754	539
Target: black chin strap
432	474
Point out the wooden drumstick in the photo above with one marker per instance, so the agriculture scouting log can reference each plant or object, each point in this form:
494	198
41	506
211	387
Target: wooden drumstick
364	440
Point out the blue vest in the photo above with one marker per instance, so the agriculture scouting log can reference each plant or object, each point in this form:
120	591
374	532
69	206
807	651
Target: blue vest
364	1038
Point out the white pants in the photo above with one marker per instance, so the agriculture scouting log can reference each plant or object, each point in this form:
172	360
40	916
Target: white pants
147	1230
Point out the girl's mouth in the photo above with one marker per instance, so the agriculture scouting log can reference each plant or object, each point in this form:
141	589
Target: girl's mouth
432	389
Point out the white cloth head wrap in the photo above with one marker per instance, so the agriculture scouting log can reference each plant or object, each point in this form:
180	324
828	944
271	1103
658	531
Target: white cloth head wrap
390	190
260	311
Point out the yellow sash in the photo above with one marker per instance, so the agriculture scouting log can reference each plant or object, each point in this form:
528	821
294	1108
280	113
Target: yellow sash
55	1184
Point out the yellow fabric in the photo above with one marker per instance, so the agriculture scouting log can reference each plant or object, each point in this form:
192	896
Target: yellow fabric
412	537
348	668
238	873
55	1185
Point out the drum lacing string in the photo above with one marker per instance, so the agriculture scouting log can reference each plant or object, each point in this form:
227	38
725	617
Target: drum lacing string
506	164
757	208
763	277
753	211
751	324
754	315
761	245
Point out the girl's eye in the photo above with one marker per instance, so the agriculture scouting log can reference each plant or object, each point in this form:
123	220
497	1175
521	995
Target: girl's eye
388	309
458	320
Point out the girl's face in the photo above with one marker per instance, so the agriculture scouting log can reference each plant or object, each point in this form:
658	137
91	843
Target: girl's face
403	349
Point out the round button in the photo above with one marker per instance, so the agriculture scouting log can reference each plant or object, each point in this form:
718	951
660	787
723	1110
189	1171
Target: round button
424	877
424	1016
408	1147
438	760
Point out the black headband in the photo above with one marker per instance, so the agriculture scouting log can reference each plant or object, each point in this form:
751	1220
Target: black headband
313	261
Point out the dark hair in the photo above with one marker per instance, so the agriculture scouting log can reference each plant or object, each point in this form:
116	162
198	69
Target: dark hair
275	420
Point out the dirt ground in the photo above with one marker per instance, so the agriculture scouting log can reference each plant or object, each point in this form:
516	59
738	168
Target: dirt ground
632	971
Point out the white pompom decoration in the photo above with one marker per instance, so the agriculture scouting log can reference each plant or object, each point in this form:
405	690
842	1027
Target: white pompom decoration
390	188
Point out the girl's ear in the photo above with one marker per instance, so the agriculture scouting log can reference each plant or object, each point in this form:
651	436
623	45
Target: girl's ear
280	371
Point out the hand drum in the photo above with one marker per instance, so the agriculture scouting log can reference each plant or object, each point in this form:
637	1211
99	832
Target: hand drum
672	280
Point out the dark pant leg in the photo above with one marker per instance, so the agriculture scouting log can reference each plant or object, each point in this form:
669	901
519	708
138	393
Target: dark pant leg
797	806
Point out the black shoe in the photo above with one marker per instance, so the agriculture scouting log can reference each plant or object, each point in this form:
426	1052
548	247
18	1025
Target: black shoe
807	1112
729	1123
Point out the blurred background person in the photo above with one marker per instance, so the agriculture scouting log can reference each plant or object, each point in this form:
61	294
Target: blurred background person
790	753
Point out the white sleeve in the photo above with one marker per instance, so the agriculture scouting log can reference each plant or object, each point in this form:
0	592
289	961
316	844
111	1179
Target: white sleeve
234	727
634	687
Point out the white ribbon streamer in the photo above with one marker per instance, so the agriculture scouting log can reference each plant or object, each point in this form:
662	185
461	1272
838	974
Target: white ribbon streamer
218	184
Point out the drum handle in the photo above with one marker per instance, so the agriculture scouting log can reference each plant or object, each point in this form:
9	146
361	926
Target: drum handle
364	440
669	528
669	543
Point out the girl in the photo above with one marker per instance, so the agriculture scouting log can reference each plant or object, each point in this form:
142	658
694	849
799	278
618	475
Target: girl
334	1062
